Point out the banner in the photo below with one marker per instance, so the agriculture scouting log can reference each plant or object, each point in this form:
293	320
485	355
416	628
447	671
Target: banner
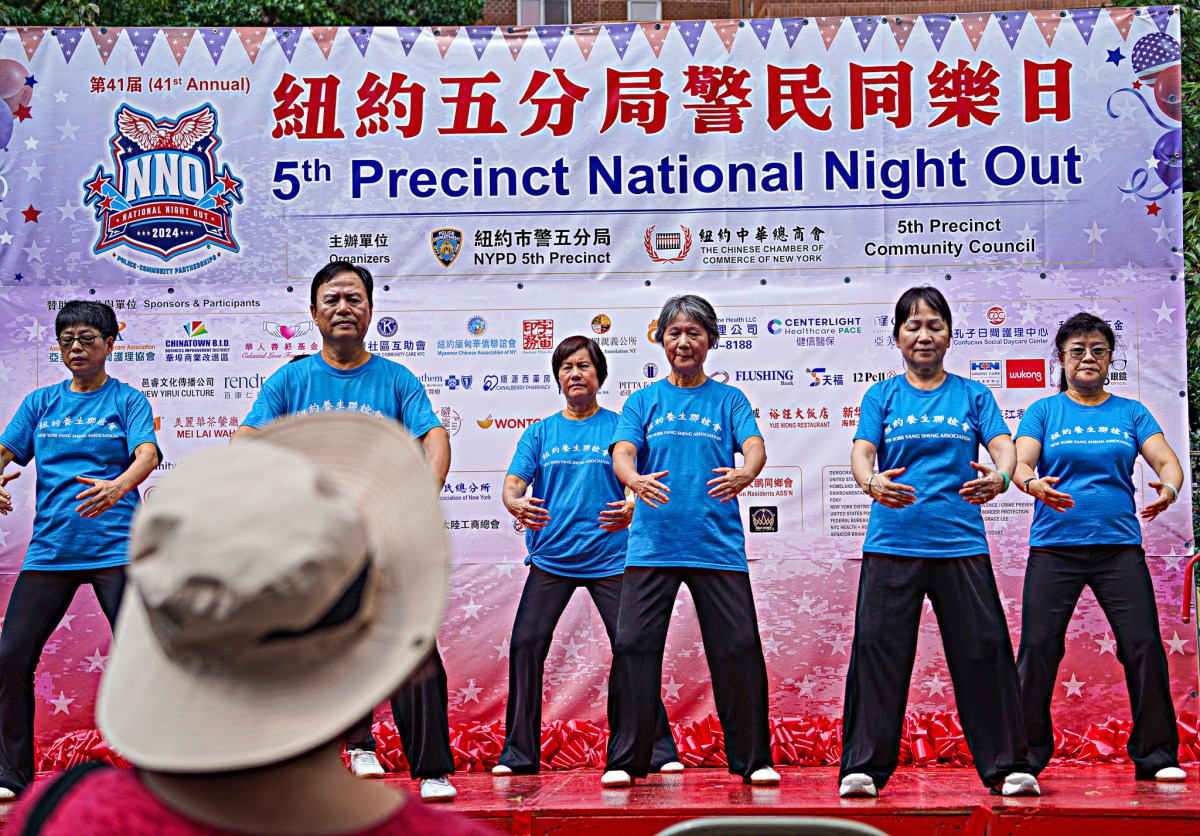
509	187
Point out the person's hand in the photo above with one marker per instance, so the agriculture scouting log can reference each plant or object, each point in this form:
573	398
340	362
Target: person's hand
529	511
1165	497
102	495
5	497
650	490
731	482
1040	489
619	515
984	489
891	494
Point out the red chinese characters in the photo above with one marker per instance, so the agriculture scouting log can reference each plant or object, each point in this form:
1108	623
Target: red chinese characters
1048	90
559	108
790	94
964	93
881	90
396	99
722	92
312	117
637	98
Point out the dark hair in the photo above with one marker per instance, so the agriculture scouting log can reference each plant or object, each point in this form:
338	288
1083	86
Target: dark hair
914	296
1080	325
695	309
334	269
299	357
96	314
572	344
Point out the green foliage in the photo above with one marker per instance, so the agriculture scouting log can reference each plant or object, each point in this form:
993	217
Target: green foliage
245	13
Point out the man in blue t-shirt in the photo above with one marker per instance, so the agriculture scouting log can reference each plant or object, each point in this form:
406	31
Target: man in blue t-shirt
345	376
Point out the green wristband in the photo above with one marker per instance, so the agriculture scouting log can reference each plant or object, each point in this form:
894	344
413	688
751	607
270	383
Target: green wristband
1007	481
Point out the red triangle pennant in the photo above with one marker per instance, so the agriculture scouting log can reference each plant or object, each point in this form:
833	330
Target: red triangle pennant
1047	23
727	30
902	28
973	25
829	27
445	36
515	38
252	40
1123	18
106	38
31	39
656	35
179	40
585	37
324	36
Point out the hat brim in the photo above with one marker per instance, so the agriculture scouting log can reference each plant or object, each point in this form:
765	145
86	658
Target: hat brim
162	716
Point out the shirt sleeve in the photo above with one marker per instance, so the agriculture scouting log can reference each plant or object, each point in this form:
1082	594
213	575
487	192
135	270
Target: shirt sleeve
1144	425
629	425
742	419
870	418
18	435
1033	422
270	403
988	421
525	460
416	412
139	422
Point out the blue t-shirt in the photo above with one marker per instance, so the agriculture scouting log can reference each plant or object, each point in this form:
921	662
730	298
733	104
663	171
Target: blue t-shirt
378	387
568	464
935	434
68	434
1092	449
687	432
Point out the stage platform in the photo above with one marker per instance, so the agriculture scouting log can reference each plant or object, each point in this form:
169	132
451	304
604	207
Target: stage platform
1087	800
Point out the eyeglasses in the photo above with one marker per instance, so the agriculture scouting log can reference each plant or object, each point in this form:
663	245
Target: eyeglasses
84	340
1078	353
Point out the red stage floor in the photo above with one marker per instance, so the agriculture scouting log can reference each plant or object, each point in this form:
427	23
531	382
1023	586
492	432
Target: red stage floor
1076	801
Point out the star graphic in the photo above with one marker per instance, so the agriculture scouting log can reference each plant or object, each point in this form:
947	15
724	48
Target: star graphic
1173	560
839	644
1153	209
472	610
573	649
470	693
18	277
31	144
1176	644
504	570
33	171
34	251
1074	686
4	372
31	214
936	685
62	704
5	237
220	202
67	211
66	623
770	645
501	649
1095	234
806	687
1164	313
1114	57
4	537
1060	192
67	129
95	661
1026	232
804	604
30	81
699	648
60	97
23	112
1107	644
671	689
1028	314
230	183
1096	310
96	185
1093	151
1163	231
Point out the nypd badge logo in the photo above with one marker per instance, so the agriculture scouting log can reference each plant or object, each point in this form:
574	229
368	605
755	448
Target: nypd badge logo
164	195
446	245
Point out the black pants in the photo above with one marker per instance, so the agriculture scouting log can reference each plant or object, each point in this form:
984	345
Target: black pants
891	595
1118	576
543	600
729	628
37	604
420	709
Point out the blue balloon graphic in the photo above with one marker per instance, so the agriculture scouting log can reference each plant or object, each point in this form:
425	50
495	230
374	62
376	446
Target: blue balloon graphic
1168	151
6	126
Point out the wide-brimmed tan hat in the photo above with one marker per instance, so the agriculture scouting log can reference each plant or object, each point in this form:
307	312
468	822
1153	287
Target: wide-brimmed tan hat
279	589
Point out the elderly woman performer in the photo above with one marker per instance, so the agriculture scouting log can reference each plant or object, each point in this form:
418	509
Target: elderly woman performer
926	537
674	447
92	440
1075	454
575	529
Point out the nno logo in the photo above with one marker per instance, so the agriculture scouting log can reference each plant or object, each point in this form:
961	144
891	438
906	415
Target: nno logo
1025	374
506	423
164	195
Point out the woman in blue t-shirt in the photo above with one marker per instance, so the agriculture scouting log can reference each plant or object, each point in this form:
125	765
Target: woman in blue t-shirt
1075	453
92	441
926	537
674	447
575	528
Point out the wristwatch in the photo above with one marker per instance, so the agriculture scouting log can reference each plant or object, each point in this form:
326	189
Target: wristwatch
1025	484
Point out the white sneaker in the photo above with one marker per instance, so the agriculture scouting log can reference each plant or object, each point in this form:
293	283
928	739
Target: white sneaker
501	769
363	764
764	777
670	768
437	789
616	778
858	785
1020	783
8	795
1166	775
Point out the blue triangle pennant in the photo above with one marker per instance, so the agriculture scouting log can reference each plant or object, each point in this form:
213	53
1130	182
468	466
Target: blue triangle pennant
1011	23
620	35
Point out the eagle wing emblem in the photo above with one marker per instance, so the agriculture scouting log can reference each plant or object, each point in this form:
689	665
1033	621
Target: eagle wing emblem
142	132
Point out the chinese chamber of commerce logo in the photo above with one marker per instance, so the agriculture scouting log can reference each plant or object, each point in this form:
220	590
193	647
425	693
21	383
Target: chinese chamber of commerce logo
676	245
446	244
164	196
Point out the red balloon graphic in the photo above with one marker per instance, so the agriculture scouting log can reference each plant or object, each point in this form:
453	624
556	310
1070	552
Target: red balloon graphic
1166	92
12	78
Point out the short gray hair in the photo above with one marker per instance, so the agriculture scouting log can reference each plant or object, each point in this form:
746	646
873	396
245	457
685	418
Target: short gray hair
695	309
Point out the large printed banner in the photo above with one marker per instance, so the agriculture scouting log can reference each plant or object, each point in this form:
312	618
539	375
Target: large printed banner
509	187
